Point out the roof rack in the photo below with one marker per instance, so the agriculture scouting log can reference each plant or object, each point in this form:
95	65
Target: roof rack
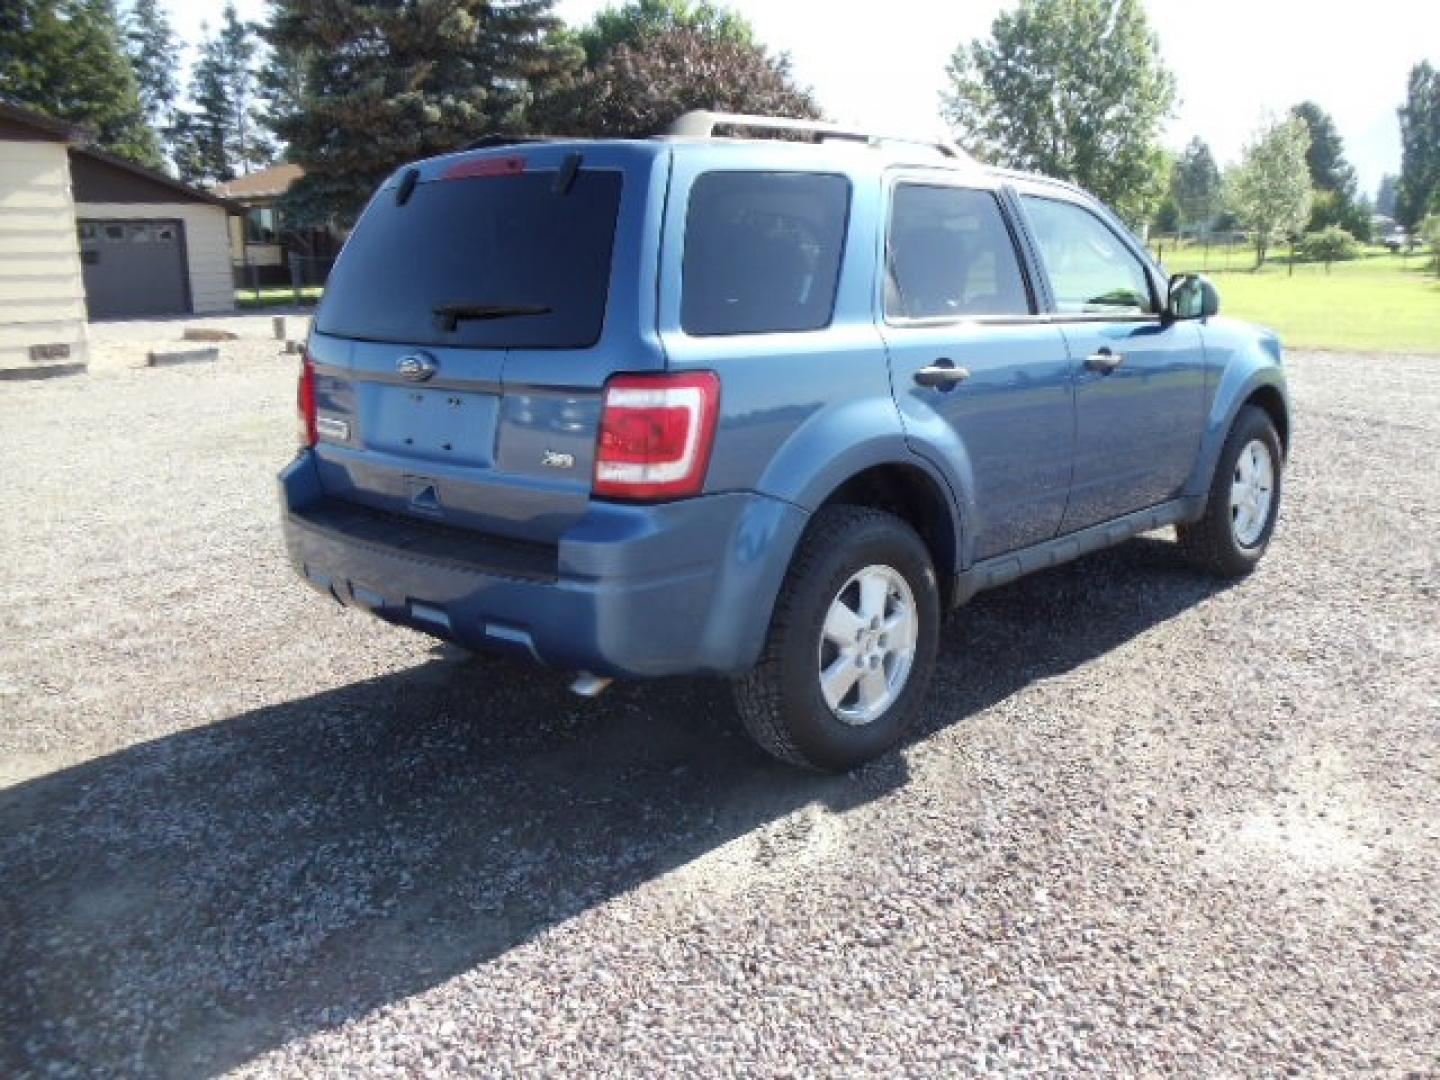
701	124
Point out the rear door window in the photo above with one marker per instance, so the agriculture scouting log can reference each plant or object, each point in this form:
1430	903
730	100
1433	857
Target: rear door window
762	252
501	261
950	255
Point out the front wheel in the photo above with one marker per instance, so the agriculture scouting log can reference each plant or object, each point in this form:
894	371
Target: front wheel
1244	499
851	646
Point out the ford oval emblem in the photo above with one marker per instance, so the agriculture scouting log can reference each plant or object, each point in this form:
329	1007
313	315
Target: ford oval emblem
416	366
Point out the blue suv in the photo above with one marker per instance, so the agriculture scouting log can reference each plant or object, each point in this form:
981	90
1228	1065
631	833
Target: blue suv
757	407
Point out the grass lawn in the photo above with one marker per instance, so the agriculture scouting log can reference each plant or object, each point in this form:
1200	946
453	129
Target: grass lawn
1377	303
278	296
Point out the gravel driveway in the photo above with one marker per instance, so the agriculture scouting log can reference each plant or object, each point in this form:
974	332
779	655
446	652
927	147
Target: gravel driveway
1151	824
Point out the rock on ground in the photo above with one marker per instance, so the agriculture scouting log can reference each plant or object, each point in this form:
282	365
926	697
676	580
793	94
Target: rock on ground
1149	824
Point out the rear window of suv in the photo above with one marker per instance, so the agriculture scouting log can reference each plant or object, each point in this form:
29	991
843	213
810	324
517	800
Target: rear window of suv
488	261
762	252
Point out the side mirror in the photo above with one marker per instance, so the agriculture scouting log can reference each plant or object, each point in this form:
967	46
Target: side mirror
1192	296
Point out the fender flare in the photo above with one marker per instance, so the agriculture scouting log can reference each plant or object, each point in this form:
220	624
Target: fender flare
808	469
1238	384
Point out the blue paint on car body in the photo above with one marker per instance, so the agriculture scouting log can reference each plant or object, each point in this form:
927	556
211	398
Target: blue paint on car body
464	505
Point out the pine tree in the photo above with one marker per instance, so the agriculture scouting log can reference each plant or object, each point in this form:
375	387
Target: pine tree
283	81
201	135
1196	186
154	53
1386	195
222	136
1419	146
66	58
388	83
1337	199
239	56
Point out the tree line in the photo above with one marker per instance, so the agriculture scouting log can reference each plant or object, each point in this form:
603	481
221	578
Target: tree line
351	89
1078	89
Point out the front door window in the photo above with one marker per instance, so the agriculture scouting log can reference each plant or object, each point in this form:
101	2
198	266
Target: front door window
1091	270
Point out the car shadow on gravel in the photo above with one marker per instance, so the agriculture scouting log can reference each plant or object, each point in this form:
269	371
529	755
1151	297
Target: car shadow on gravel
186	904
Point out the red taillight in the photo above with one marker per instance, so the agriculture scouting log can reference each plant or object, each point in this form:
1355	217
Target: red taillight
655	435
485	166
305	402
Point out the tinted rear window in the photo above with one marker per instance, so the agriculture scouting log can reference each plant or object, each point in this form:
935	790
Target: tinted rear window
951	256
488	241
762	252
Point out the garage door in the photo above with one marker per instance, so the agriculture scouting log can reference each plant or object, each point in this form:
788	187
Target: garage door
134	268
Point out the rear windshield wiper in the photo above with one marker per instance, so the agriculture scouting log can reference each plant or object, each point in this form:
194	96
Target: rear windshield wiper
451	314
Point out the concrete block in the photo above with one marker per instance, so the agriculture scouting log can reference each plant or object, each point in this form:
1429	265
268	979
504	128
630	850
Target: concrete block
187	356
41	371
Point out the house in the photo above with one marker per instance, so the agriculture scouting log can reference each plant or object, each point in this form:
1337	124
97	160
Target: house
42	297
86	235
264	248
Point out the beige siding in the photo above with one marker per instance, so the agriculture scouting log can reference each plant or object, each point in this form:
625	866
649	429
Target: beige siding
207	245
42	298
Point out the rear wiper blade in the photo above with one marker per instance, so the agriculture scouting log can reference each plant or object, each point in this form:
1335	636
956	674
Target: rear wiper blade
451	314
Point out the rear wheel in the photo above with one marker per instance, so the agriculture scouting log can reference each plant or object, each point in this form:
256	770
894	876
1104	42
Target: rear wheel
851	646
1244	499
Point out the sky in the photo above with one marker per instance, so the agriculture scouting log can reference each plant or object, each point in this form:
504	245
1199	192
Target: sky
1233	60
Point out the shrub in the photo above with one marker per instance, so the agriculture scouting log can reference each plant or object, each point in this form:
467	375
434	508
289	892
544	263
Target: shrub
1331	244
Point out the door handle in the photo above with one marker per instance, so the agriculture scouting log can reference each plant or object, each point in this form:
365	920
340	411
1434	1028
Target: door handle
1104	361
942	375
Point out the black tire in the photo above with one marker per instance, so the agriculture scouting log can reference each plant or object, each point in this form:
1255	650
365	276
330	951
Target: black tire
1210	543
780	701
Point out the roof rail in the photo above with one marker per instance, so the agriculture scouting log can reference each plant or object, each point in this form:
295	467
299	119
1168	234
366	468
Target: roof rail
701	124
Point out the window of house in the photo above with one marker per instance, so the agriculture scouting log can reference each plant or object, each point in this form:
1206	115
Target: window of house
262	225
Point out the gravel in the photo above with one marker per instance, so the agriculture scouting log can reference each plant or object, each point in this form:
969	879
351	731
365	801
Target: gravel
1150	824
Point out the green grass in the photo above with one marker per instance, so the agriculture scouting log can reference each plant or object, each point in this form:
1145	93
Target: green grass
278	296
1377	303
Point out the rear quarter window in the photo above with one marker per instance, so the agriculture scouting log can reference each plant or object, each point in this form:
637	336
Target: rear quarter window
762	252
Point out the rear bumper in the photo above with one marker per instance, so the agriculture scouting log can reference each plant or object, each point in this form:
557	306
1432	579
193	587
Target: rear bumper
677	588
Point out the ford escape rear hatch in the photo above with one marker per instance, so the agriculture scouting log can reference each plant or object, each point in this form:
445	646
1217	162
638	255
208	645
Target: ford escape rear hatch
466	333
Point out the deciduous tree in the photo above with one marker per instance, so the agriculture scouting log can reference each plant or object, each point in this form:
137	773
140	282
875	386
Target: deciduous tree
1270	189
638	89
1072	88
631	23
